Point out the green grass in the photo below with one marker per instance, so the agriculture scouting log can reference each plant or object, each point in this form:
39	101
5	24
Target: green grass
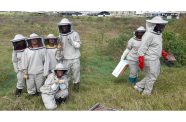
97	83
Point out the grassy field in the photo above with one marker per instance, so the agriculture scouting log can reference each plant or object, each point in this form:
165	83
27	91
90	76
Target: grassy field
97	83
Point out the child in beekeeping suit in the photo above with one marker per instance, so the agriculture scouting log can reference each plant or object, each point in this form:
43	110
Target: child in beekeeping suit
19	44
35	64
131	54
149	53
51	45
55	89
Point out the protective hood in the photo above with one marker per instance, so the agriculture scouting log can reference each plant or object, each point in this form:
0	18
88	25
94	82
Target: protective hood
157	20
60	66
150	24
141	28
39	39
19	42
64	21
18	37
50	36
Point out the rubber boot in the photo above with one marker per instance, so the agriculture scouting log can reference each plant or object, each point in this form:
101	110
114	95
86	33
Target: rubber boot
38	94
18	92
59	101
133	80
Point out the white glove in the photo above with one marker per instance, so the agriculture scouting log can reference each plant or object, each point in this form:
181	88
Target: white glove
55	86
125	53
73	43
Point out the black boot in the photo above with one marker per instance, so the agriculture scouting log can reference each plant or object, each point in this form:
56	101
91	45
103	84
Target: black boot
18	92
58	101
38	94
76	87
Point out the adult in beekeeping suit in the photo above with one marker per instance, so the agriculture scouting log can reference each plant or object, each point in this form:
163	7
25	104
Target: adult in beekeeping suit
35	64
19	44
51	47
71	50
131	53
55	89
149	53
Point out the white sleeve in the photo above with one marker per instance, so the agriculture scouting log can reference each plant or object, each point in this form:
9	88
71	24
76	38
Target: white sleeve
146	41
76	40
15	61
25	61
130	44
66	81
49	80
46	63
125	53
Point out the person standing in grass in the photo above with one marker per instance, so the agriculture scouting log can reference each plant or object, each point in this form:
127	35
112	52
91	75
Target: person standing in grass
35	64
131	54
51	47
71	50
19	45
55	89
149	53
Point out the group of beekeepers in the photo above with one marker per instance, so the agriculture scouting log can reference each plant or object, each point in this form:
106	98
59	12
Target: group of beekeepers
45	64
143	52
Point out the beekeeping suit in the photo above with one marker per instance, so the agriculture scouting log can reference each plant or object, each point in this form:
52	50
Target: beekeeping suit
149	54
131	54
54	88
71	51
35	65
51	50
17	60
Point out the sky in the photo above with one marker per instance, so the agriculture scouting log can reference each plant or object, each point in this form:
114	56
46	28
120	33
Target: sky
92	5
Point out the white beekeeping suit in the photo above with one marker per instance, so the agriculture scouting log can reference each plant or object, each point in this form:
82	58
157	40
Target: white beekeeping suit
149	54
71	51
55	89
35	64
51	50
19	43
131	54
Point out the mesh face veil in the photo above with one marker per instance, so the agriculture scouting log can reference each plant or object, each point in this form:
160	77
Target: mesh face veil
47	42
39	42
19	42
64	29
20	45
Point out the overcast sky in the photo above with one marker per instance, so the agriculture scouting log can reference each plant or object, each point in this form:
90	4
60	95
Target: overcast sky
92	5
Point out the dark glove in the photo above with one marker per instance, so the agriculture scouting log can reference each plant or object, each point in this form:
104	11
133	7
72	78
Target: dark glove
141	62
